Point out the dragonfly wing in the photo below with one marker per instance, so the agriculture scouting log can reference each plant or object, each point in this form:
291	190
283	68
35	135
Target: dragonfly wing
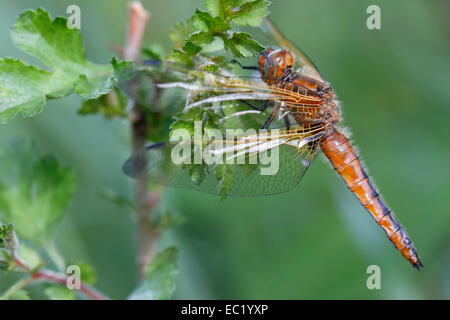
308	67
279	166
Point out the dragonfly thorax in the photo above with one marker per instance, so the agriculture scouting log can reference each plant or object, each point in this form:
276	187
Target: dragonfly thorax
330	114
277	68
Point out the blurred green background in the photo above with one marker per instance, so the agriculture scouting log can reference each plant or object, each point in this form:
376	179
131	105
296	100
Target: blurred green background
316	241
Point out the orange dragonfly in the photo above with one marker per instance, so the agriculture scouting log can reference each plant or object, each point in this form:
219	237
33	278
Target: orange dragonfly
299	105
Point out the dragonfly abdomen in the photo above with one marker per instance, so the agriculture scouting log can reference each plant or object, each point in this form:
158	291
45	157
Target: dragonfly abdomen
340	152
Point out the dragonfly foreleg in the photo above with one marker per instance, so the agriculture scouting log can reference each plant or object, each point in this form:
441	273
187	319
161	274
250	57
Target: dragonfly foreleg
259	108
272	116
287	123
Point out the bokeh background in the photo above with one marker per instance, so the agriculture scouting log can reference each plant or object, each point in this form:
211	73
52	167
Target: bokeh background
314	242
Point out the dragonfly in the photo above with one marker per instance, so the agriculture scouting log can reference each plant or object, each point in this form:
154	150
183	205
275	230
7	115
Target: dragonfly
289	96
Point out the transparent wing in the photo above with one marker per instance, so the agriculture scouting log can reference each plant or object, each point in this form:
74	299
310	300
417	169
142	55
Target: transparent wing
232	96
252	165
308	67
238	102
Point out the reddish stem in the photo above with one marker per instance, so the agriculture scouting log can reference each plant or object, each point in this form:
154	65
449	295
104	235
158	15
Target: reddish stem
137	20
52	276
48	275
145	201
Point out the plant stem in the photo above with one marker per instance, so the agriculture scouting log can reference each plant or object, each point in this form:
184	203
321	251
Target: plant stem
51	276
48	275
145	201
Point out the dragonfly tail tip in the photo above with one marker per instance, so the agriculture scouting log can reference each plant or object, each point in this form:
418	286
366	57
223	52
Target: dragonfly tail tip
417	264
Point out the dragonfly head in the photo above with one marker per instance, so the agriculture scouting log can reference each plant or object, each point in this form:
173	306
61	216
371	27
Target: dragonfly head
273	64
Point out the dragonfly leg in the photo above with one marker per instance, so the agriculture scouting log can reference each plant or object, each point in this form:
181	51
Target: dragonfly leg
287	123
272	116
268	121
155	145
152	62
259	108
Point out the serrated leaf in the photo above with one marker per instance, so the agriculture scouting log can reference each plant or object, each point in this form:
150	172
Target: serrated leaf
217	7
200	38
59	293
110	105
100	84
95	86
251	13
181	32
181	57
181	125
207	23
191	49
217	44
25	89
241	44
159	279
35	192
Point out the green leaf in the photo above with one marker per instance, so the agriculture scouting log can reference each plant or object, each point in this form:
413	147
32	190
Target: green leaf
243	12
181	125
251	13
207	23
217	44
154	52
30	256
35	192
101	84
25	88
20	295
218	8
200	38
191	49
159	279
181	32
110	105
181	57
241	44
59	293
